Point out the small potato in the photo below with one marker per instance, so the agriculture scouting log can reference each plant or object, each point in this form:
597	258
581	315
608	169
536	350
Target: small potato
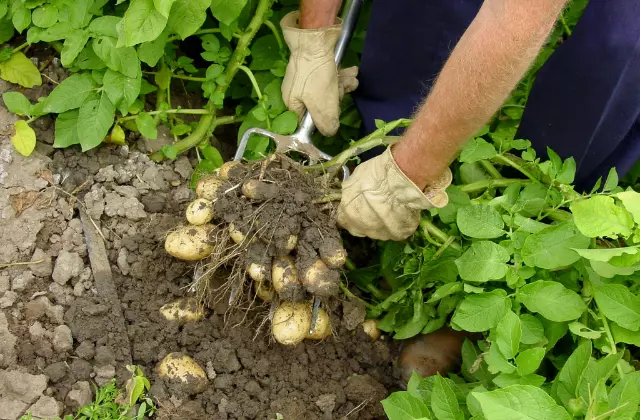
320	280
182	370
323	326
284	276
200	211
209	187
259	190
370	327
257	272
264	290
236	234
291	243
333	255
223	171
291	322
189	243
183	311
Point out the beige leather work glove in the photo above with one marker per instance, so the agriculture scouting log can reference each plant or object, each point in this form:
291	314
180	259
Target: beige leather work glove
380	202
312	80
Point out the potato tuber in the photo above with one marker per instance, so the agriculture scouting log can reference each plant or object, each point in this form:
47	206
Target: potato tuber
322	328
183	310
200	211
182	369
284	276
189	243
259	190
209	187
291	322
320	280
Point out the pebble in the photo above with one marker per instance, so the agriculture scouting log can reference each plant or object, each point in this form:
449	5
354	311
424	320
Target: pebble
80	395
37	331
23	386
86	350
46	408
68	265
43	269
8	299
62	338
23	281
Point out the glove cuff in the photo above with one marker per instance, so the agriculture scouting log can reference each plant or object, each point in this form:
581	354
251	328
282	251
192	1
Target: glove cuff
408	193
316	42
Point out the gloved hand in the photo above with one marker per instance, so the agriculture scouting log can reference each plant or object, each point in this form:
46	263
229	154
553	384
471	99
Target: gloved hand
380	202
312	80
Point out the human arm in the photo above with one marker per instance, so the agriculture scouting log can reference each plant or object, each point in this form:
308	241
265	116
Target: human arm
485	66
316	14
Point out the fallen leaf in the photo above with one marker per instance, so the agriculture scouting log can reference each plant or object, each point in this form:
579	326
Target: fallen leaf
22	201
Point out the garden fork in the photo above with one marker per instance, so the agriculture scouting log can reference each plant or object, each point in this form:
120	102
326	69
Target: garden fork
300	140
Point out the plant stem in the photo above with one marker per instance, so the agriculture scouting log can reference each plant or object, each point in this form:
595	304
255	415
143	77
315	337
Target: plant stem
376	138
431	229
181	76
565	27
509	162
174	111
491	170
276	33
348	293
203	32
208	122
254	82
20	48
612	342
491	183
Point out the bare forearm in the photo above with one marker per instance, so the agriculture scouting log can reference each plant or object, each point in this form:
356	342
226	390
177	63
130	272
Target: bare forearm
318	13
489	60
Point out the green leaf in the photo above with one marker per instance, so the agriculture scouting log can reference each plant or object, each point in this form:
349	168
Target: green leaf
151	52
472	364
171	152
73	44
445	290
597	371
6	30
66	133
553	247
20	70
45	16
163	6
141	23
532	200
120	59
187	16
612	180
571	374
121	90
552	300
482	262
457	200
529	360
285	123
212	154
618	304
606	254
17	103
520	402
482	311
147	125
104	26
264	52
582	330
477	149
567	173
600	216
631	201
508	333
70	94
532	329
480	221
623	335
497	362
24	139
625	397
404	406
504	380
226	11
21	19
94	120
443	400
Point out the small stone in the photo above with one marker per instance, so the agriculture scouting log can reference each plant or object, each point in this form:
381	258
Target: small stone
78	289
23	281
5	282
123	264
56	371
211	372
86	350
68	265
94	202
183	167
79	396
46	408
326	403
104	372
37	331
8	299
62	338
43	269
12	408
23	386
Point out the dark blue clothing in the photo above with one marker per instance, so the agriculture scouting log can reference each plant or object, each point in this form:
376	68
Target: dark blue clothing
585	101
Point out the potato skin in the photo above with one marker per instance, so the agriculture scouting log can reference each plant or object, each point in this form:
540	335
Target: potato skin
333	254
189	243
323	326
257	190
209	187
291	322
370	327
236	234
183	310
284	276
200	211
264	290
257	272
320	280
181	369
223	171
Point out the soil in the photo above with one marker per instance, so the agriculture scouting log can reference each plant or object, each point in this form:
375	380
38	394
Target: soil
60	333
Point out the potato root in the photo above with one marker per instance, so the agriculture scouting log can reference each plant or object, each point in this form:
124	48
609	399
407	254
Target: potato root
320	280
322	328
182	370
291	322
183	310
370	327
189	243
284	276
257	190
209	187
200	211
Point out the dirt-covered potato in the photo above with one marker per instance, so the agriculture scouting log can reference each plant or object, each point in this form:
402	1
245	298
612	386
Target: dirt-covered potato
333	254
264	290
320	280
200	211
370	327
209	187
236	234
284	276
258	272
259	190
183	310
189	243
323	326
223	171
291	322
182	370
